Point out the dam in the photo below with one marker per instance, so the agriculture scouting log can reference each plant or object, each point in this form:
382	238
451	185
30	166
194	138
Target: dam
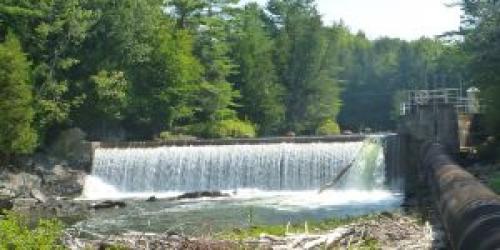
276	182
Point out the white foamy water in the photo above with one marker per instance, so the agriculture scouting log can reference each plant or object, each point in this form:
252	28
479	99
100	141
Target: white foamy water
270	168
282	200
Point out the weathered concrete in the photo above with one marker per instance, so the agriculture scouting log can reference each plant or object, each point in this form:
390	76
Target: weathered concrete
469	210
311	139
437	123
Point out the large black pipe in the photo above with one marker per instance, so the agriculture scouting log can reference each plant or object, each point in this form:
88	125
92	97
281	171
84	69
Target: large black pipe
469	210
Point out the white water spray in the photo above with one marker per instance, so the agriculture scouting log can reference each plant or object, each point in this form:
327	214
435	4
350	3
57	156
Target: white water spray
168	171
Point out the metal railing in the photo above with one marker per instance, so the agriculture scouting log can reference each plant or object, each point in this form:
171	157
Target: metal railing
469	104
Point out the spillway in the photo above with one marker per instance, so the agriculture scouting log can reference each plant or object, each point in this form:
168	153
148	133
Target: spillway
268	167
275	183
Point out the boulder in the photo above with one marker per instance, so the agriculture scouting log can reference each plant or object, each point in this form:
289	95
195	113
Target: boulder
38	195
21	204
152	199
108	204
24	181
6	193
205	194
5	204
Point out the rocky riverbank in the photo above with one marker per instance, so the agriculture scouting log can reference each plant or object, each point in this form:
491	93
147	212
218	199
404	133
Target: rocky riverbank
383	231
42	188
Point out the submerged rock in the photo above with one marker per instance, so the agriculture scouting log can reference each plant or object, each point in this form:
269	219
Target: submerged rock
152	199
205	194
108	204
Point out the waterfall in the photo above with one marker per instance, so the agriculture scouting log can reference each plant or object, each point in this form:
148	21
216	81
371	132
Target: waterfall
273	167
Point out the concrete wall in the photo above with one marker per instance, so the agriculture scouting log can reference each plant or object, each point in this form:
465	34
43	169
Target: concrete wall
433	123
310	139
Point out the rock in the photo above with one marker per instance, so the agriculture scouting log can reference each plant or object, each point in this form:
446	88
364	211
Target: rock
152	199
197	195
339	233
5	204
60	171
314	243
37	194
7	193
24	180
62	181
108	204
24	203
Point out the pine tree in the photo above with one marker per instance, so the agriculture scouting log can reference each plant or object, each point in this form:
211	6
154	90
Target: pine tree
17	135
262	95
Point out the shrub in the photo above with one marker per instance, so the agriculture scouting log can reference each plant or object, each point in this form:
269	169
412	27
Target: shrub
15	233
494	182
224	129
328	127
167	135
231	129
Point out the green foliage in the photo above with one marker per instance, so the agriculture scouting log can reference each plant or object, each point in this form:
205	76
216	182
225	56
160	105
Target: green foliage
328	127
302	57
367	244
261	93
15	233
17	135
149	66
494	182
167	135
254	231
482	43
224	129
111	93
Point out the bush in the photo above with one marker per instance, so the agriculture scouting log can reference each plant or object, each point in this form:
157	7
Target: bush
15	233
232	129
167	135
224	129
328	127
494	182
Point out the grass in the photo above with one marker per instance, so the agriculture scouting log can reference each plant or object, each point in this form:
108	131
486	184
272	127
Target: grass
240	234
494	182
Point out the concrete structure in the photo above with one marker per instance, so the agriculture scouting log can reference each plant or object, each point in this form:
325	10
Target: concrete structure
424	107
436	123
190	142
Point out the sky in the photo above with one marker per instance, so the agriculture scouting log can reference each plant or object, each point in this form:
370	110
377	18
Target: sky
405	19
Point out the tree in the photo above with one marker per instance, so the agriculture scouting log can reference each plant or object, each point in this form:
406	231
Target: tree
301	60
261	93
17	135
482	43
51	33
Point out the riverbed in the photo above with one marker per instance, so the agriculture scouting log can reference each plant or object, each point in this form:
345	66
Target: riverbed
207	216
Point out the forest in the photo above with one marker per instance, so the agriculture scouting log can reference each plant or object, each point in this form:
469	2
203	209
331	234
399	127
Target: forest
139	70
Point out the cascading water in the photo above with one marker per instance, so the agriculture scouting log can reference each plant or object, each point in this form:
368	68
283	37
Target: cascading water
271	167
278	183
